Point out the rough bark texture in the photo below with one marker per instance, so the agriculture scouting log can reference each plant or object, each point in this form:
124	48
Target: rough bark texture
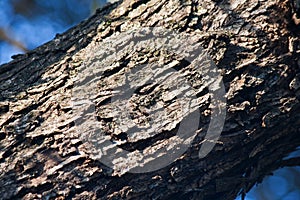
255	44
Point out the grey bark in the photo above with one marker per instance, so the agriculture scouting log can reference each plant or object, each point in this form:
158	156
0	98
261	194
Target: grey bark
255	45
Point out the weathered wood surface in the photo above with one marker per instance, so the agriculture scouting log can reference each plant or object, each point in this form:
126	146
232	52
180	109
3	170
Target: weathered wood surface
255	45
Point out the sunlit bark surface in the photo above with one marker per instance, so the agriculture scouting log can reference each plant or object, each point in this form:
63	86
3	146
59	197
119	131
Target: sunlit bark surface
255	46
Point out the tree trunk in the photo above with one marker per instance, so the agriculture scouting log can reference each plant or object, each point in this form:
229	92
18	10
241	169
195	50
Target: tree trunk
48	151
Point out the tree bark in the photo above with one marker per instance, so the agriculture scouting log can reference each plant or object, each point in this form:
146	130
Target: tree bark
255	45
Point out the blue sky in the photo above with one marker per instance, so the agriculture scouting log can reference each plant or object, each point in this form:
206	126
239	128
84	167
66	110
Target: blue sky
39	23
